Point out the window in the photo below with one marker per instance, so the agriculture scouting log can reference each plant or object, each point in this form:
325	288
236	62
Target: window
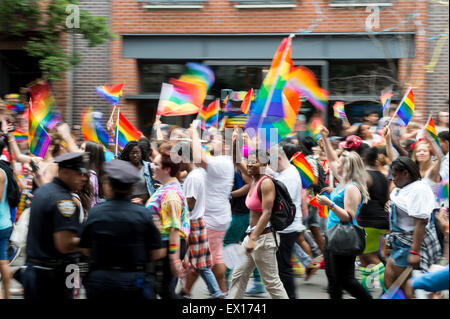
255	4
172	4
359	3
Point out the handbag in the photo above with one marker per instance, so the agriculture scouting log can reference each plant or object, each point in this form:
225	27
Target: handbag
346	239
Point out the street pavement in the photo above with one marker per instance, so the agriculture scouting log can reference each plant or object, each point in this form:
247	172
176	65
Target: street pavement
314	288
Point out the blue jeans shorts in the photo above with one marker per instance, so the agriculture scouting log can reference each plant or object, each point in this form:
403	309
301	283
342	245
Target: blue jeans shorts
4	241
400	253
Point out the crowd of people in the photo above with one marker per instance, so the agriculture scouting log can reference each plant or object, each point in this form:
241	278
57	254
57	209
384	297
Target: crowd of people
151	221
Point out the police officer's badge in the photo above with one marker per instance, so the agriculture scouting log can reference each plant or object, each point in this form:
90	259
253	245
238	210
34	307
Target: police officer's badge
66	207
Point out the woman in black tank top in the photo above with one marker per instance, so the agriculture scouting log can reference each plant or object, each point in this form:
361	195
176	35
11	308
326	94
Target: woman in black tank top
375	220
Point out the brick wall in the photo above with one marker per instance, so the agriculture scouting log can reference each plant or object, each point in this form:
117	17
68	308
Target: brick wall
220	16
437	57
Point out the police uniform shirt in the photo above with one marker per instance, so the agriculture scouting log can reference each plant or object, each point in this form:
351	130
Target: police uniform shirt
52	210
119	234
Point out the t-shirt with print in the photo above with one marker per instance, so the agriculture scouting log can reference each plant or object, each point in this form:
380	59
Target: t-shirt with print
219	183
194	187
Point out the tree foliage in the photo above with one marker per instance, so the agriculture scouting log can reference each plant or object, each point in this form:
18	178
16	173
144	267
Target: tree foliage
42	24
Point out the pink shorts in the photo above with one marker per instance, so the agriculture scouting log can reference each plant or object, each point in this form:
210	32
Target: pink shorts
215	240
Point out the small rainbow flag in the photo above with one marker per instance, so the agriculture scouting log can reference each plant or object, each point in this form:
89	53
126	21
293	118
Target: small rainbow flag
406	108
210	114
245	105
303	80
112	94
178	100
44	105
126	131
232	119
432	130
304	168
443	191
200	74
17	107
315	127
385	99
92	128
321	210
38	138
20	136
339	110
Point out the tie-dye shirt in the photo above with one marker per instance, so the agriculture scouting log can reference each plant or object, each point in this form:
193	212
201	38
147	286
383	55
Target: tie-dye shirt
161	201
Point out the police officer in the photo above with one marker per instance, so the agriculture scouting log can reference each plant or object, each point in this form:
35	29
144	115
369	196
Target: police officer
52	237
121	239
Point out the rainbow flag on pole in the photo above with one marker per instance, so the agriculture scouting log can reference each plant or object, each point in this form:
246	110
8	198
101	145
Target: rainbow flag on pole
210	114
385	99
405	110
92	128
432	130
339	110
245	105
112	94
277	104
44	105
20	136
304	168
38	138
303	80
126	131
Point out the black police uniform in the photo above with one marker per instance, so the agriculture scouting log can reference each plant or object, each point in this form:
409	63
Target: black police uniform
52	210
120	236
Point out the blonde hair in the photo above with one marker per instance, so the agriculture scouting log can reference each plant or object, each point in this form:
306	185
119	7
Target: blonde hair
427	165
355	171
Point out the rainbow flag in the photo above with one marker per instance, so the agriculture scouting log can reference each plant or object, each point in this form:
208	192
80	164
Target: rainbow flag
20	136
44	105
200	74
233	119
17	107
304	81
443	191
339	110
245	105
432	130
210	114
385	99
321	210
406	108
126	131
112	94
304	168
178	100
38	138
315	127
92	128
277	104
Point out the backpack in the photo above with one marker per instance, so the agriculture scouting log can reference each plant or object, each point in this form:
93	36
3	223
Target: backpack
283	211
13	191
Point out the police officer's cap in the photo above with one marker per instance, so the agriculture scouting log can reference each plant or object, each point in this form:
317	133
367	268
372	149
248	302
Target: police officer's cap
76	161
122	171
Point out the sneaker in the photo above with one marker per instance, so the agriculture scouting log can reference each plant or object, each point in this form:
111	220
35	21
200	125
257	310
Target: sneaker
13	253
257	289
311	270
298	269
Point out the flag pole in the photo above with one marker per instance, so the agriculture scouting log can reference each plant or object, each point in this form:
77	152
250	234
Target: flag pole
112	113
266	106
117	131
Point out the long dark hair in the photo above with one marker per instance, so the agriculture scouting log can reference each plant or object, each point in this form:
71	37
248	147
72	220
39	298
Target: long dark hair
125	154
96	161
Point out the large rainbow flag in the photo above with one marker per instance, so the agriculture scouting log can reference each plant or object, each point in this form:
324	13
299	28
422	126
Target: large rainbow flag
38	138
303	80
405	110
126	132
432	130
276	106
304	168
44	105
92	128
112	94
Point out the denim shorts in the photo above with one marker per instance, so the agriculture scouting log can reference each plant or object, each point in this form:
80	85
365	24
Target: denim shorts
313	219
400	253
4	241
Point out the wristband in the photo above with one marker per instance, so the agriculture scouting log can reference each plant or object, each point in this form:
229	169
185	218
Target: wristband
172	249
414	252
332	206
175	262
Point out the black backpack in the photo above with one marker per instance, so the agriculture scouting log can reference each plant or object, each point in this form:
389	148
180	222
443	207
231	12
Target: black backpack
283	211
13	191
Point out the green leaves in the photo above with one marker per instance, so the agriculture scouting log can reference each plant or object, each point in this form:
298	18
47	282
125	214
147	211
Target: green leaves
44	25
